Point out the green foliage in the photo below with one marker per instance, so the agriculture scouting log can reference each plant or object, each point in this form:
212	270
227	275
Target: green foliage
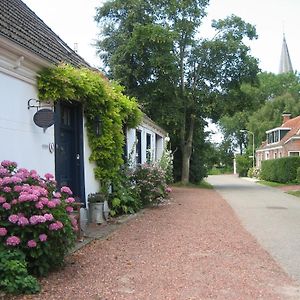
153	49
125	198
14	277
166	164
151	183
243	164
101	100
96	197
34	218
281	94
262	107
298	175
281	170
294	193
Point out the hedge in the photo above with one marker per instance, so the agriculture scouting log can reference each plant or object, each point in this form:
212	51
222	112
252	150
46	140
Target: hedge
281	170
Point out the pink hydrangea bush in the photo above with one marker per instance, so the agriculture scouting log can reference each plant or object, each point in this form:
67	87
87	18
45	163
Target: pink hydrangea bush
151	183
35	218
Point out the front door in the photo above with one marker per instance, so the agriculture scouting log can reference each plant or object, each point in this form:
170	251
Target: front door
69	170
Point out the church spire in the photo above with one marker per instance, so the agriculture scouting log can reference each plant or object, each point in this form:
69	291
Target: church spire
285	65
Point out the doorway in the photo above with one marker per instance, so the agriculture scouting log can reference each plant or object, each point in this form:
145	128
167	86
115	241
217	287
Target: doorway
69	167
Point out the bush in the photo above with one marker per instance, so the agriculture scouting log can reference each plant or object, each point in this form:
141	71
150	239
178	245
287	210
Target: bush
281	170
150	181
253	172
243	164
14	277
298	175
35	218
166	164
125	197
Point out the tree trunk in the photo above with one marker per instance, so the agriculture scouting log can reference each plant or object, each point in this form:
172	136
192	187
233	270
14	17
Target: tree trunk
185	171
186	150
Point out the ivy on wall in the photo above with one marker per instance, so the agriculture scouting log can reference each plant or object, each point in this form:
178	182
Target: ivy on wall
102	100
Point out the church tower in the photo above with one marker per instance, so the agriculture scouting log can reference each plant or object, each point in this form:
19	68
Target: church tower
285	65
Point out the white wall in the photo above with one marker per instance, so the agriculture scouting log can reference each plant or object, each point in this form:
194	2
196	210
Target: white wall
20	139
157	144
91	184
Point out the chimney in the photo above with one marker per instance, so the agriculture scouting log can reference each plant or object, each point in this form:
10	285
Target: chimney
285	117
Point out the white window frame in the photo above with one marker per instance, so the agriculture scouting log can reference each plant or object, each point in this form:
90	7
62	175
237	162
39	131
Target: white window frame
289	152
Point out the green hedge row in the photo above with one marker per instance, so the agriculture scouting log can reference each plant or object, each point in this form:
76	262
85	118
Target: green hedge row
281	170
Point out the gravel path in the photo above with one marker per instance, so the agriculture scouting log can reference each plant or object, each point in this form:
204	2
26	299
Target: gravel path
194	247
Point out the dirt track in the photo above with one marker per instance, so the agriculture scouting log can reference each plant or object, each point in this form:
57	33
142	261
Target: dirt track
194	247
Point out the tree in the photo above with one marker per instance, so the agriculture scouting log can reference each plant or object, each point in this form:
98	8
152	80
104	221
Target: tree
264	104
153	48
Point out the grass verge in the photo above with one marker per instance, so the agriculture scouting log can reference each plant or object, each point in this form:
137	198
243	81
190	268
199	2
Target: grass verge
294	193
202	185
271	183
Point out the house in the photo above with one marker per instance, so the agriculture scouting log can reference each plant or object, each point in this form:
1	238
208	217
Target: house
281	141
45	137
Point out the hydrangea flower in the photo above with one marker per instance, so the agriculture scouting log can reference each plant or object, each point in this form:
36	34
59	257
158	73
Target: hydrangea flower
6	206
23	221
70	200
13	219
69	209
43	237
56	226
31	244
66	190
13	241
2	199
3	231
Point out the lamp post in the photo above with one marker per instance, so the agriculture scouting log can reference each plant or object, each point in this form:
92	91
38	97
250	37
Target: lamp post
247	131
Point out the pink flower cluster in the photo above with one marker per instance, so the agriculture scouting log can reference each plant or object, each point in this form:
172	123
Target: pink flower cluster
3	231
26	199
66	190
13	241
56	226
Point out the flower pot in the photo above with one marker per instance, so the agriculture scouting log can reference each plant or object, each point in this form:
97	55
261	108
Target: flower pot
106	210
96	212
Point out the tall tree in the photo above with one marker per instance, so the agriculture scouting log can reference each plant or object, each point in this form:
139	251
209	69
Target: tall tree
153	48
264	105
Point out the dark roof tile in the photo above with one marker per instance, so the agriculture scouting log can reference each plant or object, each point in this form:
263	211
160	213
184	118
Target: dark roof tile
21	25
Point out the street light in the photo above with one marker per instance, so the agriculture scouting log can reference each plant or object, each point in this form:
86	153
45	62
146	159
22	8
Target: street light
247	131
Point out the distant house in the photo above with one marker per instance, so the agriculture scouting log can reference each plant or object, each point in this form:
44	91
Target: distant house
281	141
27	45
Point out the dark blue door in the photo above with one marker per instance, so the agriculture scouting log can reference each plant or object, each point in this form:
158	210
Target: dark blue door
69	169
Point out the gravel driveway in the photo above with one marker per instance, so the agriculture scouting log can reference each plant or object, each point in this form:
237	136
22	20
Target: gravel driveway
193	247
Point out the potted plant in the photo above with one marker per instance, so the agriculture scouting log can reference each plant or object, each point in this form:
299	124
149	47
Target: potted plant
96	203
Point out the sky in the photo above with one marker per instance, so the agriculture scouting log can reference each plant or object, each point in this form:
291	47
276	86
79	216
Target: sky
73	21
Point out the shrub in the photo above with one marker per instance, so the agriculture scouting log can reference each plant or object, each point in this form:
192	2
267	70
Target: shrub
151	183
14	277
253	172
243	164
125	198
281	170
298	175
35	218
166	164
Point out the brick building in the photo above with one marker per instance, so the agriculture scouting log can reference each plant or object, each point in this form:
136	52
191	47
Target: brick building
281	141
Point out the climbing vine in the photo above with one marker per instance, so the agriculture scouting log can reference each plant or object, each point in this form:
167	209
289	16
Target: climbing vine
104	102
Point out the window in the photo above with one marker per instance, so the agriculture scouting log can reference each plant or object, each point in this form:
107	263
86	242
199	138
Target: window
138	146
294	153
148	147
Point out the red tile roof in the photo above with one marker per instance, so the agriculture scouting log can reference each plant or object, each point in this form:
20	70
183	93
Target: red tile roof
294	125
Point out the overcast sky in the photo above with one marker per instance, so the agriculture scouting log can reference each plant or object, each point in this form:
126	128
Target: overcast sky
73	21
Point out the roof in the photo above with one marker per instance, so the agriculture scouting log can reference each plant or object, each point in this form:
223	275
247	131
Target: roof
19	24
294	132
285	64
